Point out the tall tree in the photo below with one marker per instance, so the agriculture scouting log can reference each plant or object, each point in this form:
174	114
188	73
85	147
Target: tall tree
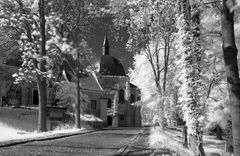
77	21
41	80
31	25
190	51
151	28
231	66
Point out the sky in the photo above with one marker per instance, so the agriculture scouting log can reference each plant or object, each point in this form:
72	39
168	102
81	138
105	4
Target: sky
117	48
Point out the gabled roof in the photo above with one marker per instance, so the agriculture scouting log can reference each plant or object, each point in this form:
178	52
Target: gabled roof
90	83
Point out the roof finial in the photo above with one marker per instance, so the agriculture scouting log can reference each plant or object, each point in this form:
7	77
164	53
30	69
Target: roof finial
105	46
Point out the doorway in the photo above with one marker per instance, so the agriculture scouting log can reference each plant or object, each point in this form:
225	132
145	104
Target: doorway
109	120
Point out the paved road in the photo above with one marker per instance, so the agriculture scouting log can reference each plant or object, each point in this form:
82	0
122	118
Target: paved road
100	143
139	146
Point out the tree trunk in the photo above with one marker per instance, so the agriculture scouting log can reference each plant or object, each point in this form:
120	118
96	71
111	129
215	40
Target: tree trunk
184	136
166	60
77	109
41	80
42	120
231	66
193	143
219	132
192	57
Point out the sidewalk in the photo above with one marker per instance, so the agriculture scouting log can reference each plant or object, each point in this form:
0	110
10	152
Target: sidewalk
45	136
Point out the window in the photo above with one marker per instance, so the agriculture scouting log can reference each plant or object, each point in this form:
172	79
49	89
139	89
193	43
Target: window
35	97
121	96
122	117
132	98
109	104
93	104
14	95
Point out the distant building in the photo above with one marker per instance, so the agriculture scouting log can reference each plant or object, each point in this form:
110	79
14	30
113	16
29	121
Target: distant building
111	95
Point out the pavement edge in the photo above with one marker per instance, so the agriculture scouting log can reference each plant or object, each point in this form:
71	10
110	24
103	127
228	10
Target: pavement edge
50	137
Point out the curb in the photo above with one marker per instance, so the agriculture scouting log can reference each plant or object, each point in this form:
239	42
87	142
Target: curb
122	150
50	137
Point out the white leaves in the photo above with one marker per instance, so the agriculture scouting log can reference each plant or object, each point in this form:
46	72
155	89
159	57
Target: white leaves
218	107
189	56
14	75
35	33
28	25
211	20
142	76
34	5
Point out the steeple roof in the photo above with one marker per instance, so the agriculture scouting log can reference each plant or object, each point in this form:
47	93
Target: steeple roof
108	64
105	46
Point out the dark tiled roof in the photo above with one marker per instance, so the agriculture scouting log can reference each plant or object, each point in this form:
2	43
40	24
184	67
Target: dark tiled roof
111	66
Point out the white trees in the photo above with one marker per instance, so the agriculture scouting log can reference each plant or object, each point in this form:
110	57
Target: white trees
151	29
32	27
143	77
190	53
78	17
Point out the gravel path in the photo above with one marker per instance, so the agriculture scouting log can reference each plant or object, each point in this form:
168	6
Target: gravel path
100	143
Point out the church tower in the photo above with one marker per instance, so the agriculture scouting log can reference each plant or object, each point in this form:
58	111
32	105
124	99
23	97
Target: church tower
108	64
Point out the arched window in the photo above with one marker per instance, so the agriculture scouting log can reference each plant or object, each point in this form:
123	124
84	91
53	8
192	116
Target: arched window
132	98
121	96
14	95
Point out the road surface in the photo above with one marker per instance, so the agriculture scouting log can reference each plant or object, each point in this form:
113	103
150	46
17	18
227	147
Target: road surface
100	143
139	146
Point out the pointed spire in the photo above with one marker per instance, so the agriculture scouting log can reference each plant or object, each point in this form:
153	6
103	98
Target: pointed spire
105	46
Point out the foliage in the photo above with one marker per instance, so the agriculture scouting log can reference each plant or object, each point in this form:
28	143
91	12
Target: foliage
147	21
21	18
67	95
143	77
151	28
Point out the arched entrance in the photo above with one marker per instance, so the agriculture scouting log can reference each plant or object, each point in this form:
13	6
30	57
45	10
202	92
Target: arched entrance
109	120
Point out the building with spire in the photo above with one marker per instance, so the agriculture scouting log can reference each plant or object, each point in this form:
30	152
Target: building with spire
113	96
